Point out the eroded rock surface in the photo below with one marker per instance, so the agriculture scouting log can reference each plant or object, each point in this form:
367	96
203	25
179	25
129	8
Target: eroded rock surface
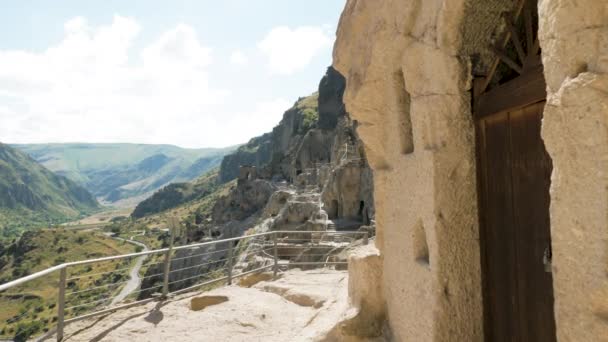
409	68
249	314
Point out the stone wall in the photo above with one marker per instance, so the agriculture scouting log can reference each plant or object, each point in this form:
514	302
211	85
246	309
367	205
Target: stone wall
574	39
408	71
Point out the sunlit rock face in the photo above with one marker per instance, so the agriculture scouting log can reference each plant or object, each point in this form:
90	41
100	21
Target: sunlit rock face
408	67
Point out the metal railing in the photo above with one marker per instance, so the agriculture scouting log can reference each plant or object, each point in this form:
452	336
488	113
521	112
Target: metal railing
92	287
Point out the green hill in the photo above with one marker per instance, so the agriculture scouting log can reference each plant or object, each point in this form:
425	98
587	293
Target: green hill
176	194
31	308
31	195
117	172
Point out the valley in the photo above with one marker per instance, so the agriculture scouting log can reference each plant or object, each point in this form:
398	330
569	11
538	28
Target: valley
121	175
309	173
31	196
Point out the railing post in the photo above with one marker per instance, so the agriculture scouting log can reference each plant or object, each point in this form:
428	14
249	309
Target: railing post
167	270
230	248
276	256
365	238
63	274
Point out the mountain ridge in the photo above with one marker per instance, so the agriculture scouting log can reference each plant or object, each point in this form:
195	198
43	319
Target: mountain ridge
31	192
119	172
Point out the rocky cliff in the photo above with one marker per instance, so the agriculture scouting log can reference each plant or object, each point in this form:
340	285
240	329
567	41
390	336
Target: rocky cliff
315	148
310	173
256	152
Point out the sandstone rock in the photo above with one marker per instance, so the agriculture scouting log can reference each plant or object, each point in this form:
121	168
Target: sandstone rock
365	288
250	314
199	303
252	279
277	201
257	152
409	68
248	197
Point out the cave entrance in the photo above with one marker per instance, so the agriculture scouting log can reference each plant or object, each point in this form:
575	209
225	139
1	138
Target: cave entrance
363	213
514	172
332	211
361	207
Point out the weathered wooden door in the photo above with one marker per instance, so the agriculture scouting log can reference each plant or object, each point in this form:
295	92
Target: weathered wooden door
515	172
514	177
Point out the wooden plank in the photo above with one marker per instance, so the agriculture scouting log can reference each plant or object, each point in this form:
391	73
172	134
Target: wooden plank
522	91
500	272
531	180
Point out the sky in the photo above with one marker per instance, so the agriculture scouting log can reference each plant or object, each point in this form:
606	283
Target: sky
191	73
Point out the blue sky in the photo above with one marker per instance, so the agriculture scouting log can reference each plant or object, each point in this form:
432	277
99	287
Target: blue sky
190	73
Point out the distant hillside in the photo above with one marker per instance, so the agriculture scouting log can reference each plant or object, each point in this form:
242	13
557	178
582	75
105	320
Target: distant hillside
176	194
115	172
32	195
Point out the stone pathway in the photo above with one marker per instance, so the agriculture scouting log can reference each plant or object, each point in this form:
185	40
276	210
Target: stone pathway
301	306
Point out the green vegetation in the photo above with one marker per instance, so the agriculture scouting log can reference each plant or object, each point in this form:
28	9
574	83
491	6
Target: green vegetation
175	194
32	196
195	211
119	171
31	308
309	108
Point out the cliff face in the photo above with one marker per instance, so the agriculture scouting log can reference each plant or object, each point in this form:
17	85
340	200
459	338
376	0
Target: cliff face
274	151
309	173
257	152
316	146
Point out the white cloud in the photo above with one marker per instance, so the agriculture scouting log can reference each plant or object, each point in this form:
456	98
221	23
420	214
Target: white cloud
290	50
263	115
177	48
239	58
88	88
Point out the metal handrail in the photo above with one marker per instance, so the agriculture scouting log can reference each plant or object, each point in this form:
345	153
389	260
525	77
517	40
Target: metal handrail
275	239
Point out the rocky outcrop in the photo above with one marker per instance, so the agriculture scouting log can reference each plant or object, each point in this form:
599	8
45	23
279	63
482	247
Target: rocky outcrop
366	319
317	167
331	105
249	197
257	152
189	266
316	148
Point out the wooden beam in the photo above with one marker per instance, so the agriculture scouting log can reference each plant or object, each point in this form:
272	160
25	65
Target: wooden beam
515	38
535	48
529	29
494	64
507	60
524	90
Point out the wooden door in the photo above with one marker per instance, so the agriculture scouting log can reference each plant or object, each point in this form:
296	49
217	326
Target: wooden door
514	180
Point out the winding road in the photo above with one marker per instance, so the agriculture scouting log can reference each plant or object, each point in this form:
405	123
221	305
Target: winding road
135	280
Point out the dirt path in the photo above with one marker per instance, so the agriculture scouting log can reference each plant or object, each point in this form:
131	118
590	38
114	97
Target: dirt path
135	280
